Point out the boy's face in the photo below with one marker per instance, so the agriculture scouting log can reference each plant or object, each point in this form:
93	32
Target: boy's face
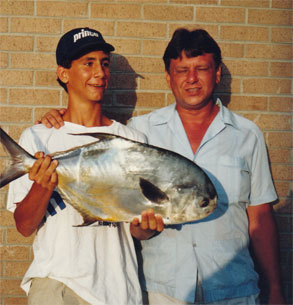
88	77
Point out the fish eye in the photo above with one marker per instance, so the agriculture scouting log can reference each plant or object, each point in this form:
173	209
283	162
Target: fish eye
204	203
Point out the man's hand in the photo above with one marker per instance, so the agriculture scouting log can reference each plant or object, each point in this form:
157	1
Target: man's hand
53	118
43	171
149	225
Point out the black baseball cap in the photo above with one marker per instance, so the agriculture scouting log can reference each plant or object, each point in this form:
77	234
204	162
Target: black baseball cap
78	42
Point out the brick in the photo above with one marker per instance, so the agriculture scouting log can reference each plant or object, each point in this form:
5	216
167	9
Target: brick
16	269
153	82
61	9
144	1
3	60
167	12
146	64
282	69
211	29
21	8
3	95
271	121
10	287
3	199
281	104
198	2
16	78
247	68
229	85
280	155
244	33
7	218
154	47
282	4
35	25
282	35
123	81
145	99
232	49
14	237
34	97
275	17
138	29
3	25
33	61
277	51
15	300
46	78
14	253
47	44
282	172
246	3
126	46
220	14
105	27
19	43
283	188
16	114
120	11
267	86
280	139
248	103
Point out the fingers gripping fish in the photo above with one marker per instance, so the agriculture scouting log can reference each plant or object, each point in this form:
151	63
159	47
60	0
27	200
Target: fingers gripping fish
114	179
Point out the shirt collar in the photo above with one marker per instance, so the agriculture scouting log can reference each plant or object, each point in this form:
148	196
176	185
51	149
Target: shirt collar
166	114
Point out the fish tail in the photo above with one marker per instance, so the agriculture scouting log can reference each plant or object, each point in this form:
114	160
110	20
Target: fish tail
16	156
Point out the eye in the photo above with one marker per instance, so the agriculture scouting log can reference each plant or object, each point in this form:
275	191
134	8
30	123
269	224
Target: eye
204	203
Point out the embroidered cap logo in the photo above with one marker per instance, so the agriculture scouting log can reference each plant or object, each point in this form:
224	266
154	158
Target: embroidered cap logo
83	34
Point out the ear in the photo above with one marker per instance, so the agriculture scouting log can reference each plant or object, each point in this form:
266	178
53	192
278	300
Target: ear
62	74
168	78
218	74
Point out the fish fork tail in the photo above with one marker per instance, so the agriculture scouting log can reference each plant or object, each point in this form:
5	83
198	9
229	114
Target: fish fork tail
16	156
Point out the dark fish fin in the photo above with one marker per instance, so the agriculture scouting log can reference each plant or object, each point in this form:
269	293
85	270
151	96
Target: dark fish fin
98	135
152	192
16	156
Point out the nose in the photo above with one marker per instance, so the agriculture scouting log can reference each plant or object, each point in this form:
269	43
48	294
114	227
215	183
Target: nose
99	71
192	76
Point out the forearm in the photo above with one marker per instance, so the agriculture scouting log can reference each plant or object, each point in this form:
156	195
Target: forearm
264	240
31	210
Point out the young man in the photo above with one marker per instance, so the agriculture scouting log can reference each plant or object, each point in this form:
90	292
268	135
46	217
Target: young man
208	261
73	265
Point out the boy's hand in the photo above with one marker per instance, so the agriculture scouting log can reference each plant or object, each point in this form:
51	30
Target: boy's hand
149	225
43	171
53	118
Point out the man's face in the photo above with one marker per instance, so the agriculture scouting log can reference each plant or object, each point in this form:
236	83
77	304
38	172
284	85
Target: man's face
88	77
192	80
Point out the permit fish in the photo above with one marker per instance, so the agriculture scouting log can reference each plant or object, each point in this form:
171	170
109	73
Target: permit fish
114	179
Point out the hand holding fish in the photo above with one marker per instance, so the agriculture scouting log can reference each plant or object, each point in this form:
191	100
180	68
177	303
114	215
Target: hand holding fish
43	171
149	225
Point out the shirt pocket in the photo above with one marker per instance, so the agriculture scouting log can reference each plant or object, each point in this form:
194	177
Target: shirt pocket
234	176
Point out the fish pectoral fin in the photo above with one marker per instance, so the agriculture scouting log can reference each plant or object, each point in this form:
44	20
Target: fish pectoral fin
152	192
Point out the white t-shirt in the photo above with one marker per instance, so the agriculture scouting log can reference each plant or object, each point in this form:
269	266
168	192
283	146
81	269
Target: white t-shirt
97	262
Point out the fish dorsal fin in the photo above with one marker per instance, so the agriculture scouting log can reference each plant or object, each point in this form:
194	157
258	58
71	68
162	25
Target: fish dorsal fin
97	135
152	192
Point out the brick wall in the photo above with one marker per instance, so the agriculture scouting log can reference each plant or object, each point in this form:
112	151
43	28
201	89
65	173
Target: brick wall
255	37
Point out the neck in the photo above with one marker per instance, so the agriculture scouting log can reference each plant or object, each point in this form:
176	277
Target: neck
89	115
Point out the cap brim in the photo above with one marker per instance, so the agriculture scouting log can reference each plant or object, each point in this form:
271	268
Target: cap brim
92	47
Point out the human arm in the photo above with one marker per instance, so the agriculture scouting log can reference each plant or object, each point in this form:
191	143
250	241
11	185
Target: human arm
264	240
53	118
30	211
149	225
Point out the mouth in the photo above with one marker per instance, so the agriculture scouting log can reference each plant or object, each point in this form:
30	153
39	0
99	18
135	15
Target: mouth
193	90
